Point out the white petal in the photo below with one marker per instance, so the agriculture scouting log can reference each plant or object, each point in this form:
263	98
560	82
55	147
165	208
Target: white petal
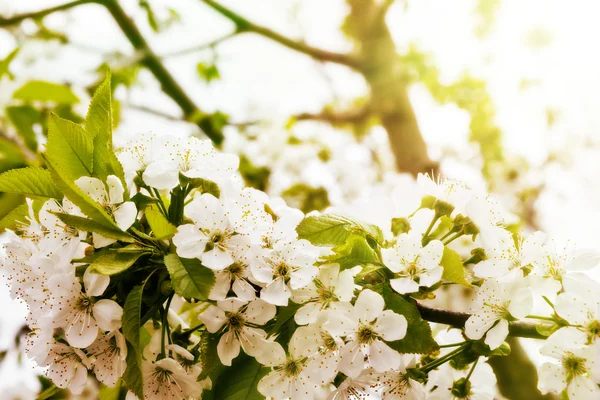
431	277
272	354
101	241
243	289
108	315
477	325
382	357
161	174
231	304
307	314
583	388
228	348
344	289
95	284
303	276
352	361
276	293
260	312
83	330
125	215
551	378
404	285
391	326
217	259
496	336
115	189
213	317
572	308
341	324
369	305
521	303
431	255
221	287
94	188
584	260
190	241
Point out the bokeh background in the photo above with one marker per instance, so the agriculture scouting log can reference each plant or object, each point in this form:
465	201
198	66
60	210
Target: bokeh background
501	94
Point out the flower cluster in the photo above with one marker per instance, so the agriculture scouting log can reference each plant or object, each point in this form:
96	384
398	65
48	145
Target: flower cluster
156	271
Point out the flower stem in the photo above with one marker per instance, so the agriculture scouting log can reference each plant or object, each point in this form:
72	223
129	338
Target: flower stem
442	360
472	369
442	346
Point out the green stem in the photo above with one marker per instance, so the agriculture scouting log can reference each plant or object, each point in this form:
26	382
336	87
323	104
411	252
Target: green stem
472	369
161	204
424	241
451	239
5	22
452	345
442	360
540	317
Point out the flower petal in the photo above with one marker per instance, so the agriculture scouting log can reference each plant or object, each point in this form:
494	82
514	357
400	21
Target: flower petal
369	305
391	326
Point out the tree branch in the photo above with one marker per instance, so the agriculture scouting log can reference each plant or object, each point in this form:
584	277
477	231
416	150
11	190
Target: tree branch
243	25
168	83
5	22
349	117
201	47
458	320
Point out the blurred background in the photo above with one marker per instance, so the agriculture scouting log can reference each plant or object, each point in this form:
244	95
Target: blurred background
327	103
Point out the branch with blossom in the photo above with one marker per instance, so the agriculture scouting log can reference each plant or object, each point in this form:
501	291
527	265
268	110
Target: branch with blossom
154	269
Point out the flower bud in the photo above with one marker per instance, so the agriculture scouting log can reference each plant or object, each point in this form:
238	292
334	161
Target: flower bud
400	225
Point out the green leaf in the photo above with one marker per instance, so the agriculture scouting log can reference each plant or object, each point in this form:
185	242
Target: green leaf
5	63
454	270
356	251
18	211
70	147
11	156
35	90
112	261
88	206
334	229
49	393
204	185
89	225
189	277
24	118
161	227
418	339
99	123
131	330
30	181
208	72
108	393
240	380
142	201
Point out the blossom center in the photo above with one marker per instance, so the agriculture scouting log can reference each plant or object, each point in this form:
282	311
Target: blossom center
162	375
366	334
236	270
282	270
236	321
326	294
593	330
84	303
573	365
292	368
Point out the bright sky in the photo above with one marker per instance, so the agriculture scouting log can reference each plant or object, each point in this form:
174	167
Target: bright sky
261	79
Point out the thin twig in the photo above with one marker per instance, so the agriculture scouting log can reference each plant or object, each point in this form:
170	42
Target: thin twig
16	19
200	47
243	25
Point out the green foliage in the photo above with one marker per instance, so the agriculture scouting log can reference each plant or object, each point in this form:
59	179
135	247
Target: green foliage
207	72
99	123
356	251
161	227
10	156
254	176
5	63
189	277
70	147
334	229
203	185
108	393
43	91
241	380
131	330
114	261
89	225
30	181
418	339
454	270
469	94
24	118
306	197
17	214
